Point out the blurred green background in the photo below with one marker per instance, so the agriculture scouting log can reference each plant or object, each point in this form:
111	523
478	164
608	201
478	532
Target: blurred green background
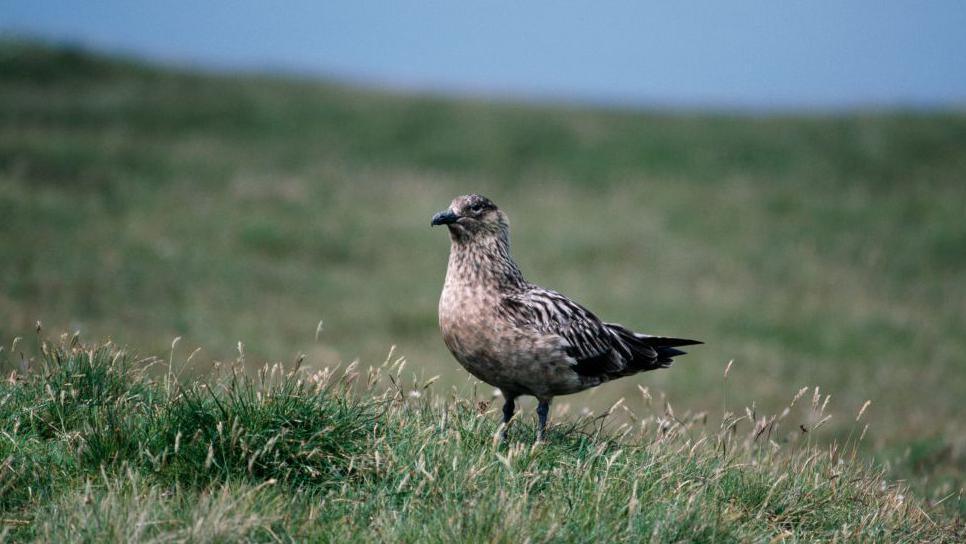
143	203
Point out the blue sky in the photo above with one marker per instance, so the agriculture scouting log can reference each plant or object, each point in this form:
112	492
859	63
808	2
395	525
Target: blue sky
723	54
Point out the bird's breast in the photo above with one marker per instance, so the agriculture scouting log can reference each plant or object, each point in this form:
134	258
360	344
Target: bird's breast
463	311
494	349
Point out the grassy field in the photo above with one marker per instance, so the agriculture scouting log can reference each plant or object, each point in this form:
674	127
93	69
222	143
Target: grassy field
144	204
95	451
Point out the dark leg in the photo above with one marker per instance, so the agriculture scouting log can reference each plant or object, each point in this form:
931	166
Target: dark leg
508	408
543	410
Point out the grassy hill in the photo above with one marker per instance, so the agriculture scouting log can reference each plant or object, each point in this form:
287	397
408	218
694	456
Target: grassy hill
95	451
145	203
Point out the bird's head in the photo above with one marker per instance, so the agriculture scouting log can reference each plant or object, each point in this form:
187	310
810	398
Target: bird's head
472	216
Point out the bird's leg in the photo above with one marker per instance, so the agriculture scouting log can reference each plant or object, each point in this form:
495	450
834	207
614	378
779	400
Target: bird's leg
543	410
508	408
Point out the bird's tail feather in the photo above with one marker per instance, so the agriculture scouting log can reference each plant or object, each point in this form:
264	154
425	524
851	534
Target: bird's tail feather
665	341
643	347
666	355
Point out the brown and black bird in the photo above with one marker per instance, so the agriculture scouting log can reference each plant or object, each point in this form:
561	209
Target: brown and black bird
522	338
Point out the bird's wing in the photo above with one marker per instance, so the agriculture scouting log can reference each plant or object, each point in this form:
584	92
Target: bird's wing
595	348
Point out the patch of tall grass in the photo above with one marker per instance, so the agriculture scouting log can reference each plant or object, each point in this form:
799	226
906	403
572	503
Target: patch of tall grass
98	444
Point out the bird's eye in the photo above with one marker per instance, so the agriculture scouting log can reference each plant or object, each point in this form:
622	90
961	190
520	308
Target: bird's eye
476	208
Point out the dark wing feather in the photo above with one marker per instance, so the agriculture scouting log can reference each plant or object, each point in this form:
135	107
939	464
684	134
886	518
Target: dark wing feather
650	352
599	349
592	345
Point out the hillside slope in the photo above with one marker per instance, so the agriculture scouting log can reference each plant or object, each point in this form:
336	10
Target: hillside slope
96	451
147	203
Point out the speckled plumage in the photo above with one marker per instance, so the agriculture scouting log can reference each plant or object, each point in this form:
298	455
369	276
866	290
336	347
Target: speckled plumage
522	338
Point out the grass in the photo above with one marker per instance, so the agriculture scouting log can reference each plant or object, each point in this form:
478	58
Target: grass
146	203
97	449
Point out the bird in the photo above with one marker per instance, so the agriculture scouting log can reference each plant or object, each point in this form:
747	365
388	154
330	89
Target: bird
519	337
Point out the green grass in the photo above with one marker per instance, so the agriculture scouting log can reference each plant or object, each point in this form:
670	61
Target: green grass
144	203
96	449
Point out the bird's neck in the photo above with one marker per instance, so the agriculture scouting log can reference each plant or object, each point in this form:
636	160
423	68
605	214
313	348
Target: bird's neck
484	261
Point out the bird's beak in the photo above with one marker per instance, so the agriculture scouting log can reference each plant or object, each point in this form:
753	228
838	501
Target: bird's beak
444	218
